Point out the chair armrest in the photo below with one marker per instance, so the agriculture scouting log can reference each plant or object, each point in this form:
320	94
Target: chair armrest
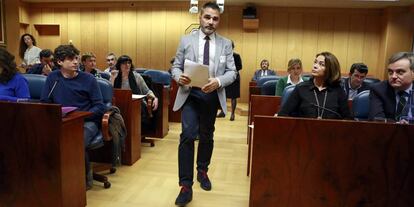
149	106
105	126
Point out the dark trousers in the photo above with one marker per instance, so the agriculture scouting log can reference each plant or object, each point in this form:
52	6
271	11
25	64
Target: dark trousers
197	120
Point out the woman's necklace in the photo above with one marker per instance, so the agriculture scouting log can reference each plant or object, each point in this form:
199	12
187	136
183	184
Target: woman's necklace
318	106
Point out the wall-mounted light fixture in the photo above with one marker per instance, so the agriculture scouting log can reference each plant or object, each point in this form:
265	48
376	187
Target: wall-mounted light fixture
193	7
220	3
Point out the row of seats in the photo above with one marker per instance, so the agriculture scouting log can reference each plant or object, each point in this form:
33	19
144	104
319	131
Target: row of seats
267	84
360	103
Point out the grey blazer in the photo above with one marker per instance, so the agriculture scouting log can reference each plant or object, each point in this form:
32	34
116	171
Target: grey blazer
225	70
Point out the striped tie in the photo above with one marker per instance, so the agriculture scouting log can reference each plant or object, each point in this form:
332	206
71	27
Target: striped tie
401	104
206	56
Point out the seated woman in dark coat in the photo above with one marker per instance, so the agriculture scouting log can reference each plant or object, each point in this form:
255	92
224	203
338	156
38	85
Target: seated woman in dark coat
13	86
322	96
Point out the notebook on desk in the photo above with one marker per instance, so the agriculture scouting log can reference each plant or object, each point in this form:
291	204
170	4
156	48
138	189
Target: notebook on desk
68	109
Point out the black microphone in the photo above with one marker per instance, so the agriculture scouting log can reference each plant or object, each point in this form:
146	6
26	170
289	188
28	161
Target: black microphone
53	88
332	111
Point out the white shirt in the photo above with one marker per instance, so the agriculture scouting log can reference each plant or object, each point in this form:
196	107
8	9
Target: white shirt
352	92
290	81
31	56
212	52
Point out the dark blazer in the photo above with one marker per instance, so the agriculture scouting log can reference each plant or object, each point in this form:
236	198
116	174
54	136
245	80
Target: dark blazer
345	86
258	74
382	101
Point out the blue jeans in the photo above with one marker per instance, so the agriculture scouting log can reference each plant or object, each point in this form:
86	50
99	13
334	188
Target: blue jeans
90	134
198	117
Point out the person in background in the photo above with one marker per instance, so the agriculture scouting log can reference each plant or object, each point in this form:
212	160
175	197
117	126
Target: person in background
294	77
70	87
388	99
233	90
89	64
125	77
355	84
111	61
264	71
13	86
46	64
321	96
28	51
199	105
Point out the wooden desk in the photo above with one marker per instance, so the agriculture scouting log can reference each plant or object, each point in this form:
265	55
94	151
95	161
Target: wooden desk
318	163
260	105
42	160
131	112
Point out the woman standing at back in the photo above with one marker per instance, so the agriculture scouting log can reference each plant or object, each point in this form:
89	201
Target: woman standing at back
28	51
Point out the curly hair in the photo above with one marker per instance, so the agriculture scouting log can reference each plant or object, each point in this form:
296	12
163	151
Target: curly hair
23	46
64	51
8	65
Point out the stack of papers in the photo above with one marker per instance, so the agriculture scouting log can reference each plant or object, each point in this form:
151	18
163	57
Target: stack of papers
197	73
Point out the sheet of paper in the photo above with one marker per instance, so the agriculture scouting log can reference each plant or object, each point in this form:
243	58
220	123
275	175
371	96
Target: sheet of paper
197	72
135	96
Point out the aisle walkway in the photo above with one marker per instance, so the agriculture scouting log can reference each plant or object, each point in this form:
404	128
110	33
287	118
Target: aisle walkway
153	180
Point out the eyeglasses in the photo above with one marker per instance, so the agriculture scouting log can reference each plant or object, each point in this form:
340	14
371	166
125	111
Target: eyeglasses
110	59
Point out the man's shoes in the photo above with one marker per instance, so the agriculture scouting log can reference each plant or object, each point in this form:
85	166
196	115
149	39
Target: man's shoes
205	183
221	115
185	196
232	117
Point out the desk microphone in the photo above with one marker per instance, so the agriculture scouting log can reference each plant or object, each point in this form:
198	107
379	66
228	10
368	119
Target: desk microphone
53	88
324	108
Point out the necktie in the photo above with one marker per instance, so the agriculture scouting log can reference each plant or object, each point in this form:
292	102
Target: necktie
401	103
206	56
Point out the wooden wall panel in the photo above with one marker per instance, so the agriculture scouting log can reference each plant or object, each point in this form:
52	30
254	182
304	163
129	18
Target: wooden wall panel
115	31
150	32
101	31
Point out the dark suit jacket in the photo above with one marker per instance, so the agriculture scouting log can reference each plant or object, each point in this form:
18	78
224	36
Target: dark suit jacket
382	101
345	86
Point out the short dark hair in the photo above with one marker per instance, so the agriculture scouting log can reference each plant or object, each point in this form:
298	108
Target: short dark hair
360	67
45	53
65	51
402	55
211	5
8	64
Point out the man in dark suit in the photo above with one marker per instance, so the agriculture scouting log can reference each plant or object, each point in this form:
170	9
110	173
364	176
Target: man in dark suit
388	98
355	83
46	64
264	71
199	105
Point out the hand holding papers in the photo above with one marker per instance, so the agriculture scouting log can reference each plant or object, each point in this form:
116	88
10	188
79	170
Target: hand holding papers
197	73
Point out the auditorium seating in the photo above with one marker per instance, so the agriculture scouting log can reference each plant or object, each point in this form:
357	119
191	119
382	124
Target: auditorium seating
286	93
36	83
264	79
269	88
360	106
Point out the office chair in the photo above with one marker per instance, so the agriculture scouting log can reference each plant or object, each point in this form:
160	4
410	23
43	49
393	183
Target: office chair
269	88
36	83
371	81
264	79
360	106
285	94
107	95
160	85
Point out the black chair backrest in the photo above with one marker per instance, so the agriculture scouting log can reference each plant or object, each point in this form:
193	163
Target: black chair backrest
269	88
36	83
360	105
286	93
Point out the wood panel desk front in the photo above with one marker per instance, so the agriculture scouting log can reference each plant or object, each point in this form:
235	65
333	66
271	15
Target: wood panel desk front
131	112
317	163
41	156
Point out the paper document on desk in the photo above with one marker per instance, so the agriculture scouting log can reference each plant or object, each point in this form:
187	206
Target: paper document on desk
197	72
